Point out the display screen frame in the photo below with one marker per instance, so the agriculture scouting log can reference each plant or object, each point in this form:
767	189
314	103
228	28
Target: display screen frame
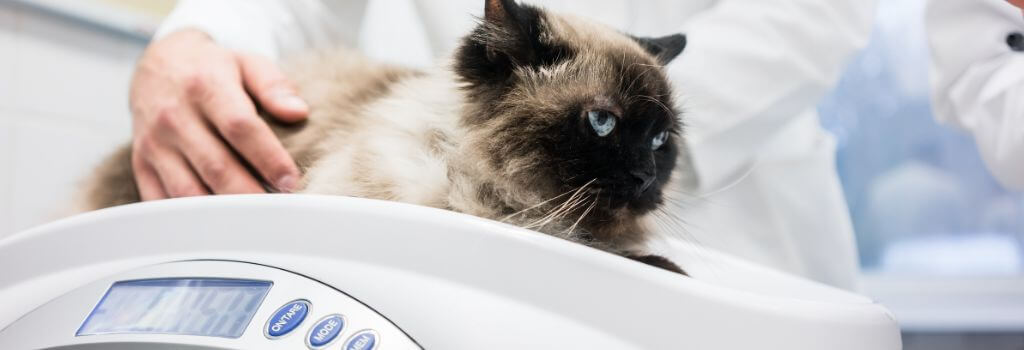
180	282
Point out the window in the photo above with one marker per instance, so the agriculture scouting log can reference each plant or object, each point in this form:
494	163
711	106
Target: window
941	242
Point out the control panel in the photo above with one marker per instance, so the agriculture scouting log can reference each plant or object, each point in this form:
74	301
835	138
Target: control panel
206	305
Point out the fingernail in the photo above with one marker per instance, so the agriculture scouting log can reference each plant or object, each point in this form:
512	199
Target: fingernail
287	183
293	102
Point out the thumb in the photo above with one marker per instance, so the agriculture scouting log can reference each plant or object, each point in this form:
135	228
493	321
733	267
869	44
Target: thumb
271	89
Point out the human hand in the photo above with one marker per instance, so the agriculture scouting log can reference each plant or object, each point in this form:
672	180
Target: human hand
1018	3
193	119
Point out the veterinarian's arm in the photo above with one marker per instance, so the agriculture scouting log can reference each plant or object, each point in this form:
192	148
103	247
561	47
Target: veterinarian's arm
978	78
191	109
193	92
271	28
1018	3
751	65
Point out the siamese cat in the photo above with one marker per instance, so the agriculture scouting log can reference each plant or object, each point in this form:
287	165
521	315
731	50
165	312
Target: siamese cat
540	119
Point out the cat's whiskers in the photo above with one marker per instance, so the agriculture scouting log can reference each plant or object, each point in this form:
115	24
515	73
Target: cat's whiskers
567	207
570	204
653	100
678	229
646	65
539	224
637	77
674	225
683	199
572	228
509	216
563	215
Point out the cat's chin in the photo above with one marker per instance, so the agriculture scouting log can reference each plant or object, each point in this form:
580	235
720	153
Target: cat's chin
626	207
638	203
644	205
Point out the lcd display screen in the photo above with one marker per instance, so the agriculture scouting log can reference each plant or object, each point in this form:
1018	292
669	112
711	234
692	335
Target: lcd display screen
187	306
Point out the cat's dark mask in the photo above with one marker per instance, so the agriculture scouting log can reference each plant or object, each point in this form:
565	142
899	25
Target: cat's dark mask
558	104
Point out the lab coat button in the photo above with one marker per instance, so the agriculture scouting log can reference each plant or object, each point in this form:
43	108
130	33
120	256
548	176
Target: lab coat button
324	331
363	340
1015	41
286	319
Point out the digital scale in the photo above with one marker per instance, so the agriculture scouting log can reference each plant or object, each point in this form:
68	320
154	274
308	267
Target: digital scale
328	272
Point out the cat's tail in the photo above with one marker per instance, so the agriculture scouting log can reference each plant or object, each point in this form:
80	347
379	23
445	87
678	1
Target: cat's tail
111	184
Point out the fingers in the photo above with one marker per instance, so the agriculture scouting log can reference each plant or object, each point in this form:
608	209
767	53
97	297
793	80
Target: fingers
192	120
177	177
232	113
271	88
146	179
165	170
218	168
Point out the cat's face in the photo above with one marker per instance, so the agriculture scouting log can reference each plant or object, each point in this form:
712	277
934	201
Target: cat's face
561	106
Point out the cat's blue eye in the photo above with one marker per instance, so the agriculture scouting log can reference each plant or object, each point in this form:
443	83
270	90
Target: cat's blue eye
603	122
659	140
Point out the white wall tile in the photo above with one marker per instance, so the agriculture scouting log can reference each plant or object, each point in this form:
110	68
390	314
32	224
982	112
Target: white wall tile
72	70
63	106
51	157
8	30
9	22
6	173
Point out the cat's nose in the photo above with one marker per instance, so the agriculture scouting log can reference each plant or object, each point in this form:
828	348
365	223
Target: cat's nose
643	179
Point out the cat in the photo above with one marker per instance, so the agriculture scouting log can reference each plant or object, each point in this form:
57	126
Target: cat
542	120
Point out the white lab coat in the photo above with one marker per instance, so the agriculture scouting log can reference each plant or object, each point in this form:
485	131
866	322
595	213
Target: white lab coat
978	80
749	81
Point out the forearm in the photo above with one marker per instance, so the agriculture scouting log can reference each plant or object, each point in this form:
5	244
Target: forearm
271	28
753	65
978	80
987	100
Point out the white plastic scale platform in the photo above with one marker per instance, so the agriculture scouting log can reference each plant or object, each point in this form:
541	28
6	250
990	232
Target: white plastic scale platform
317	272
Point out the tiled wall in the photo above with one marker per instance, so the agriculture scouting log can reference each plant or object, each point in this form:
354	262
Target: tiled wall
63	105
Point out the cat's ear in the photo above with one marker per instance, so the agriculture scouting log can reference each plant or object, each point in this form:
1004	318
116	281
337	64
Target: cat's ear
513	31
508	37
501	12
665	48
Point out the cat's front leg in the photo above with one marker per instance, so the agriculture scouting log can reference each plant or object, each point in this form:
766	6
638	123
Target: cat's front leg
657	261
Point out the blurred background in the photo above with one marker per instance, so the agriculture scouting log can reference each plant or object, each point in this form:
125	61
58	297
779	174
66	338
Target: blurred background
941	243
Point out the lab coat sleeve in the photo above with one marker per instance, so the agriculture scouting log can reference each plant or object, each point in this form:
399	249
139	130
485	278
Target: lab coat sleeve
978	80
273	28
751	66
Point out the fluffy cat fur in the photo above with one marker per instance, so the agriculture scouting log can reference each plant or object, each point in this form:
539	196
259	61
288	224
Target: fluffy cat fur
502	132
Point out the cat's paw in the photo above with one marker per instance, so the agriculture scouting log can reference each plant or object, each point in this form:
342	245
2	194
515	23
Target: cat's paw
658	261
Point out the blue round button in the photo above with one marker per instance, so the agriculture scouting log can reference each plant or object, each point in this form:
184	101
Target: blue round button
364	340
325	330
286	318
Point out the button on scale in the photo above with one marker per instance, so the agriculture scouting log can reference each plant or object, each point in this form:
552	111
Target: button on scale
325	331
289	316
362	340
286	319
